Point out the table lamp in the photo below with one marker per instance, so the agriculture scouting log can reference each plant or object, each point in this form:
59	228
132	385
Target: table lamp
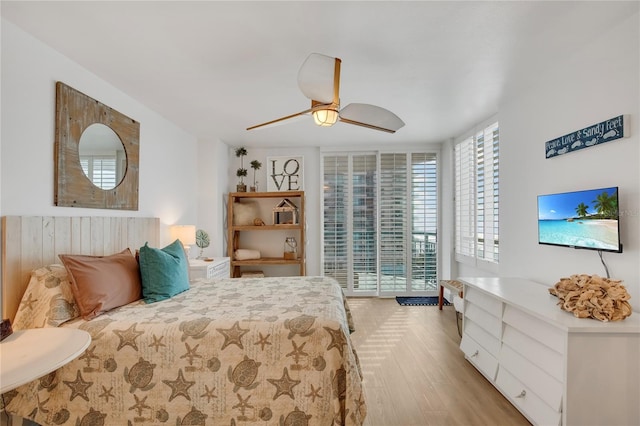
186	234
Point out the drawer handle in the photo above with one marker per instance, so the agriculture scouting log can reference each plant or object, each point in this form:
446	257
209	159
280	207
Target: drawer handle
522	394
474	354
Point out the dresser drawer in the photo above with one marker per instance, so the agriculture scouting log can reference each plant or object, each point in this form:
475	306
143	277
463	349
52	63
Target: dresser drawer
492	324
489	304
527	401
543	356
538	381
488	341
543	332
486	363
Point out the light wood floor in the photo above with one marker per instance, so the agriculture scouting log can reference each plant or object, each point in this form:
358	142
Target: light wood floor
414	371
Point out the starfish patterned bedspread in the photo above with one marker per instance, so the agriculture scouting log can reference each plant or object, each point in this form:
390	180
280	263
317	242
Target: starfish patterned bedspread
268	351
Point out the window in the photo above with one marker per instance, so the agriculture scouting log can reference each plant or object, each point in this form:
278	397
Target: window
101	170
380	220
393	221
476	194
349	220
424	221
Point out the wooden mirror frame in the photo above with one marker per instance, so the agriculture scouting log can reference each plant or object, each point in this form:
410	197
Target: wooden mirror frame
76	111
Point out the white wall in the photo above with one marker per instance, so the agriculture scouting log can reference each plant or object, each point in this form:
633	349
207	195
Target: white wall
447	265
600	81
30	69
213	181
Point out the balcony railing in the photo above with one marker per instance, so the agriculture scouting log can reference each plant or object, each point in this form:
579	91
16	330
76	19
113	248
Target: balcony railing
392	275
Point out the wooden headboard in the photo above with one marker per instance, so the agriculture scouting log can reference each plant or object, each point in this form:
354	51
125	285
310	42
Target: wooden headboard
29	242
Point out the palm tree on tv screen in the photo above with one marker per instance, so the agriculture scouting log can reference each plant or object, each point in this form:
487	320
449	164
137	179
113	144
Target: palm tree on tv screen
606	205
582	209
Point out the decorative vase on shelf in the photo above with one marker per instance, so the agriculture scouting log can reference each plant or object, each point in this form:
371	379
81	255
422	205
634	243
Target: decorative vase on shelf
241	172
255	165
290	248
241	187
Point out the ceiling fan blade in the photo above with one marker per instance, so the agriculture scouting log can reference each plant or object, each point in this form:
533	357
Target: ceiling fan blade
371	116
280	120
319	78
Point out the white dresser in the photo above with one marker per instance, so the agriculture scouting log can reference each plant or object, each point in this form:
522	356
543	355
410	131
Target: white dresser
217	268
555	368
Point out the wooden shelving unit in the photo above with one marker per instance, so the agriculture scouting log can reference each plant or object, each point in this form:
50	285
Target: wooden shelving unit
234	231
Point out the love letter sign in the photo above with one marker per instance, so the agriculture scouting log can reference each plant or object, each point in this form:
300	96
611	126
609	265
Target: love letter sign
284	173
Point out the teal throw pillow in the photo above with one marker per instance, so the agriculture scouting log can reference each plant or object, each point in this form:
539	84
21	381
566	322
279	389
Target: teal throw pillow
164	272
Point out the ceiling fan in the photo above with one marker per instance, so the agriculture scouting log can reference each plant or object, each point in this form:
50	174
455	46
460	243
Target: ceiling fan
319	80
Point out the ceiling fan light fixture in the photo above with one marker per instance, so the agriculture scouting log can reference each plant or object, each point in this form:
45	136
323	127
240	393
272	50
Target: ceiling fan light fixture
319	81
325	117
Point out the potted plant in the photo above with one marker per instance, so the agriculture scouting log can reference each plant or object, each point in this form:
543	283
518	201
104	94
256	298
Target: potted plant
241	172
202	241
255	165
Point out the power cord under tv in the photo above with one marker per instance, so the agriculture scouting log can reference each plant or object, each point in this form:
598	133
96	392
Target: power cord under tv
603	263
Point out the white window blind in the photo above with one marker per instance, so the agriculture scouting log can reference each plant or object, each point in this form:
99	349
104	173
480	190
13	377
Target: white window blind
394	231
100	169
477	195
380	221
335	232
364	220
350	241
487	193
465	197
424	221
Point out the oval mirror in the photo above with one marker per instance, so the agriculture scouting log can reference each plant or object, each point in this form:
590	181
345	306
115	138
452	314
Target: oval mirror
102	156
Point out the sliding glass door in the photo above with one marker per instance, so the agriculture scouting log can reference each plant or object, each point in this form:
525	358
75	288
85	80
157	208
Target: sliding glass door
380	222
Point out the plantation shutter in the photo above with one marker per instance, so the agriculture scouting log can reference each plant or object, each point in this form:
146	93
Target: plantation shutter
380	222
364	223
393	222
84	163
487	193
335	232
350	214
465	197
101	170
424	221
477	173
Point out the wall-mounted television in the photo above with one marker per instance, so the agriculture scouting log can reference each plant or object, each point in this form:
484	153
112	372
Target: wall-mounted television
586	219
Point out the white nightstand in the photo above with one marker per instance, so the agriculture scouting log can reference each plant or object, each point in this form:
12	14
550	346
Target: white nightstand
217	268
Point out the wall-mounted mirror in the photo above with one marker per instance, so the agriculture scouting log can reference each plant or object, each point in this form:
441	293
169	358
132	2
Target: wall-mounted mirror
102	156
96	155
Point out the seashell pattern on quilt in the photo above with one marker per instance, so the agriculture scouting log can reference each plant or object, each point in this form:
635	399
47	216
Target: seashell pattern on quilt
252	351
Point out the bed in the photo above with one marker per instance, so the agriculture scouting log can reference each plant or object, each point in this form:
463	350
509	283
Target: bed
224	352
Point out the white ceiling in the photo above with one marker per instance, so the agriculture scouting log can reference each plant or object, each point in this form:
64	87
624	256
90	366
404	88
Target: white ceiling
215	68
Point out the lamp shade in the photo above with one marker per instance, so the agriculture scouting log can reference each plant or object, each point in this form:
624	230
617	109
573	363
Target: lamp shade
185	233
325	117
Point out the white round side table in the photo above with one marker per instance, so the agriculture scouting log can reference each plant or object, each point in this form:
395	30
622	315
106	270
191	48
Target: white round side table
29	354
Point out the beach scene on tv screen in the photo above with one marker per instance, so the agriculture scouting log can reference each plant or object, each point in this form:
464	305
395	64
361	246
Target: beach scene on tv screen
586	219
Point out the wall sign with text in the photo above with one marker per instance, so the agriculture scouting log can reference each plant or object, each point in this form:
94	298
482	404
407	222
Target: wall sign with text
606	131
284	173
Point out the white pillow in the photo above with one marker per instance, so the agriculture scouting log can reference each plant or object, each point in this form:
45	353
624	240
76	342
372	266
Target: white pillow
245	213
48	300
